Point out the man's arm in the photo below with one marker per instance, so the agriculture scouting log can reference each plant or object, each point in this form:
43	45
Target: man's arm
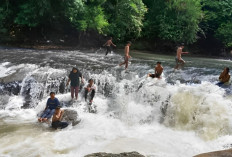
155	70
57	102
82	79
112	43
161	71
47	104
61	114
127	51
105	44
227	78
68	82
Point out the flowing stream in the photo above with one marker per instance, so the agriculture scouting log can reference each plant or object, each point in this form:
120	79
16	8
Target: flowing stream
181	115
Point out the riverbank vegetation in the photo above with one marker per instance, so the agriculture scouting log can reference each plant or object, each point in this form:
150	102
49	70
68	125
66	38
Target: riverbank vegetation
205	25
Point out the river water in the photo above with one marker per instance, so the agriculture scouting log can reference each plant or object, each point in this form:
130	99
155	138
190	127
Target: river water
181	115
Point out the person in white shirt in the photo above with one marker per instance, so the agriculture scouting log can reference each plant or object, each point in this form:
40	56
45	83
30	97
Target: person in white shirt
90	87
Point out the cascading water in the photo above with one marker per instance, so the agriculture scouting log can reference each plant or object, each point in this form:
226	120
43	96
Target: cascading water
183	114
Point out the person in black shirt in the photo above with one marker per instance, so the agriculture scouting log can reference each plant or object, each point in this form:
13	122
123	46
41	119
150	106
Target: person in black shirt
74	76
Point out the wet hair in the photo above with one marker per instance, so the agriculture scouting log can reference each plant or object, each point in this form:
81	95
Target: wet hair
227	69
182	44
52	93
74	68
158	62
90	80
129	42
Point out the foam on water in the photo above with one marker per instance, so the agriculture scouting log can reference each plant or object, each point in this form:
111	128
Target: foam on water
156	117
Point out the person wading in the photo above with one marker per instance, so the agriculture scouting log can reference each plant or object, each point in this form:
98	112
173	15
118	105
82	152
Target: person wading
74	76
127	56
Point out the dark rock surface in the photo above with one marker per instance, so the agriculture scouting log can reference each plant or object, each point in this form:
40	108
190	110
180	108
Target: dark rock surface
126	154
223	153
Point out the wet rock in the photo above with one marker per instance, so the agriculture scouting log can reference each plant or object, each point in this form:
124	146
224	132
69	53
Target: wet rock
10	88
223	153
129	154
32	91
71	117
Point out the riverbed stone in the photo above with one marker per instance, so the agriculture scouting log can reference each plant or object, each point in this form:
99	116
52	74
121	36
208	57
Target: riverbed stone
125	154
71	117
222	153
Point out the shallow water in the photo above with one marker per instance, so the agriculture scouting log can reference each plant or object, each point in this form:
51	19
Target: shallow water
181	115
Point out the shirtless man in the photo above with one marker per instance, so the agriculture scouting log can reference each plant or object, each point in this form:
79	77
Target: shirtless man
224	77
178	58
158	71
108	44
56	123
127	56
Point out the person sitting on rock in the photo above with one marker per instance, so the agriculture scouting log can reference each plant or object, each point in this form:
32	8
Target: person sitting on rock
52	103
158	71
56	119
224	77
90	87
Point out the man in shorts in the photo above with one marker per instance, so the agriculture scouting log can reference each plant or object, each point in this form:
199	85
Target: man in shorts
108	44
127	56
179	61
158	71
56	119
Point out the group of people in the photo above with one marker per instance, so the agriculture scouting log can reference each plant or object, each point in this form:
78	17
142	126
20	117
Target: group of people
53	107
158	69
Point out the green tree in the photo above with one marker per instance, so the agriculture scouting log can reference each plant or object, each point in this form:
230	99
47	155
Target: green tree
176	21
224	33
87	15
217	20
125	18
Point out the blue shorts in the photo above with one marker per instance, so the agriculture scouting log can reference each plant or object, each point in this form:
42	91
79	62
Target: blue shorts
48	113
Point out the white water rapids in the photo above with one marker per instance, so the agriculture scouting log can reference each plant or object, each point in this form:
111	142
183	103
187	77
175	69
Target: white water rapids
181	115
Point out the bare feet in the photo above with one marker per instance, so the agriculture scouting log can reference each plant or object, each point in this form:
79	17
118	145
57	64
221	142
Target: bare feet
40	119
44	119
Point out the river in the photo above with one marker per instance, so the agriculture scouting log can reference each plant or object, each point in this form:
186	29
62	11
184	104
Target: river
181	115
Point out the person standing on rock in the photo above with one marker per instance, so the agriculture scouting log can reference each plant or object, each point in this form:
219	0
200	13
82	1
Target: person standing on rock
74	77
108	44
52	103
127	56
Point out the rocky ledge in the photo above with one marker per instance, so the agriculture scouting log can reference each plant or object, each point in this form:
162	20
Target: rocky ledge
130	154
223	153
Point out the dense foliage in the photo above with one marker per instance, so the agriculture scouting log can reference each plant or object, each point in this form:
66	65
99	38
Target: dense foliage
170	20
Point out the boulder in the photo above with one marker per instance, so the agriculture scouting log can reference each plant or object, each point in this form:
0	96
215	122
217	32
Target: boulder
71	117
129	154
223	153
